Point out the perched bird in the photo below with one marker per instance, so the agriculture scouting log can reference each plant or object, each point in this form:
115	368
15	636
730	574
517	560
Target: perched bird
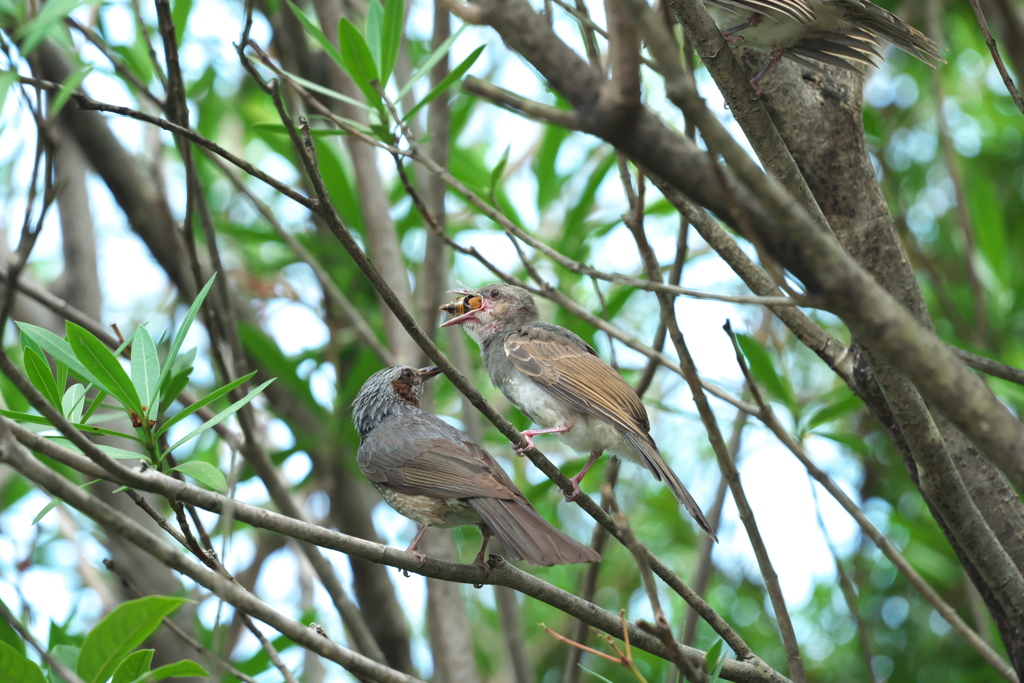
435	475
842	33
558	381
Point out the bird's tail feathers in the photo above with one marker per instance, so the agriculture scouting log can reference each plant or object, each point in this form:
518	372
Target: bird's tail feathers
662	472
528	536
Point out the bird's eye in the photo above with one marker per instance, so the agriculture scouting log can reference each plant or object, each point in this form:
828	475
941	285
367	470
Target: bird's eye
406	374
495	293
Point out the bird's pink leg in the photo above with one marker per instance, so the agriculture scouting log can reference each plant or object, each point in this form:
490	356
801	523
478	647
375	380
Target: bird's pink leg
530	433
773	59
579	477
754	20
414	550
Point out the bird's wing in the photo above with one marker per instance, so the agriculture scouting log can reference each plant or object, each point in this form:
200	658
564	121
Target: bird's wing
797	10
570	370
440	467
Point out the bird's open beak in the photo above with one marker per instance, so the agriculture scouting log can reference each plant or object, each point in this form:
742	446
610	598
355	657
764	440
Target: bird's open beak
427	373
462	309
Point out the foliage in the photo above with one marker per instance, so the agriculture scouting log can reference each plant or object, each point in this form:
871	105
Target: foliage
563	188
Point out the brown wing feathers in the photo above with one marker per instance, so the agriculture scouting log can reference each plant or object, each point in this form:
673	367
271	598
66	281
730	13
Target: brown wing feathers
576	375
528	536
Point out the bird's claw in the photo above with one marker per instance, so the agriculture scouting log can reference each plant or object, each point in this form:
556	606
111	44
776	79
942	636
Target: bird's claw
574	493
485	566
420	555
520	450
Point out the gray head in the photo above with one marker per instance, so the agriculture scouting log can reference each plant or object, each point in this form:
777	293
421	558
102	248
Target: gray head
388	390
485	311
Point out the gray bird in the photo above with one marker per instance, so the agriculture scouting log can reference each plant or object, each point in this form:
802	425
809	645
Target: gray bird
436	476
843	33
557	380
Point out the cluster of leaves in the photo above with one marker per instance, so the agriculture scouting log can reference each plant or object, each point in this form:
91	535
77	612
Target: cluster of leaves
369	57
143	396
108	650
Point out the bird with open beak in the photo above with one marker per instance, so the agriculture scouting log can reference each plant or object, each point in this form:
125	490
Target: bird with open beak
558	381
435	475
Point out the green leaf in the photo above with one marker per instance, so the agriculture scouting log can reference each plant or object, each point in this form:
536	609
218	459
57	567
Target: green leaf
103	365
206	474
180	10
594	674
391	38
221	416
112	451
203	402
358	61
431	61
498	172
49	20
17	668
30	418
456	73
318	35
183	668
69	86
10	636
374	22
7	79
134	666
120	632
327	92
763	370
64	653
38	372
96	403
841	407
73	402
55	502
715	659
59	349
46	510
146	372
851	441
179	336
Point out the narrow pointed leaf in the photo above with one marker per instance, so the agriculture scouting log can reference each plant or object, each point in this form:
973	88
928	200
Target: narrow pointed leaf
103	365
327	92
30	418
186	323
73	402
145	370
318	35
120	632
358	61
221	416
456	73
59	348
206	474
499	172
38	372
390	37
7	79
374	21
435	57
113	451
203	402
69	86
57	501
